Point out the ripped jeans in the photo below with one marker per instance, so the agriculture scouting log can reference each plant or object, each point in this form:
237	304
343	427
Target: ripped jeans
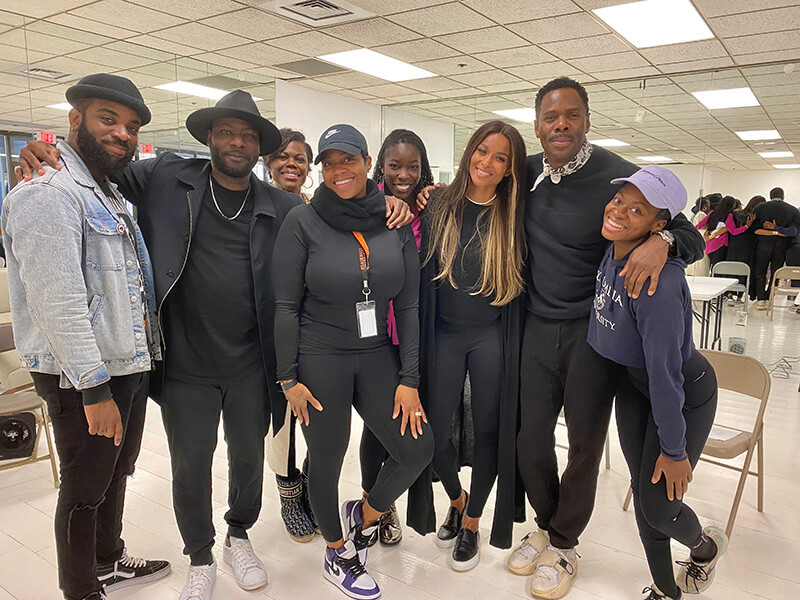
88	519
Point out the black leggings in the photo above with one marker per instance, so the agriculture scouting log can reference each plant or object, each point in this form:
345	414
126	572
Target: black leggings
479	350
366	381
658	518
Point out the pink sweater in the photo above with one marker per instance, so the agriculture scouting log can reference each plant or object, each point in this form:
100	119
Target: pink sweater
721	240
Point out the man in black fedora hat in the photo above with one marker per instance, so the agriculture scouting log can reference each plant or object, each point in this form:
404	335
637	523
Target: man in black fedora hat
80	284
211	228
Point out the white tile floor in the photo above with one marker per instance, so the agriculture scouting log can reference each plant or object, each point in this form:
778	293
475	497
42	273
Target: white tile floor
761	563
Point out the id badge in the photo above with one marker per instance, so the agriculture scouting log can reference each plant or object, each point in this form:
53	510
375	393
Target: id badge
367	319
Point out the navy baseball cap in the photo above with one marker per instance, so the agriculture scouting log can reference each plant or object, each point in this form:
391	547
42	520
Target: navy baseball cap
341	137
660	187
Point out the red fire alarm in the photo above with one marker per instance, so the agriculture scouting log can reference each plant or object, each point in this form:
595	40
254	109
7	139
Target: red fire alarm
147	148
46	136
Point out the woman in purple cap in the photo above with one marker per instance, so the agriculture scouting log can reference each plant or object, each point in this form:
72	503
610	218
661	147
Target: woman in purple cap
665	406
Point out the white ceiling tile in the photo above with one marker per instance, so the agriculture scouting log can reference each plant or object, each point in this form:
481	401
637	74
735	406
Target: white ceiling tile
358	95
749	59
513	11
561	28
588	46
254	24
763	21
81	24
260	54
312	43
10	19
413	97
175	48
385	90
40	42
138	50
683	52
453	65
466	91
43	8
197	9
199	36
351	79
497	88
387	7
763	42
716	8
416	50
543	72
482	40
433	84
514	57
225	61
628	72
111	58
709	63
317	85
609	62
135	17
69	33
442	19
372	32
487	78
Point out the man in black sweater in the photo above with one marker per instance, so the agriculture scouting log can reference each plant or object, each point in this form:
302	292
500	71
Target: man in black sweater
778	223
570	186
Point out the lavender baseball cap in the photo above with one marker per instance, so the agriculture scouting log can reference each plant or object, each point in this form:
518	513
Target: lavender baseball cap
660	187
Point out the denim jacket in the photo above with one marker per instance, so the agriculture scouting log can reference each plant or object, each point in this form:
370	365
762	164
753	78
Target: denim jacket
73	280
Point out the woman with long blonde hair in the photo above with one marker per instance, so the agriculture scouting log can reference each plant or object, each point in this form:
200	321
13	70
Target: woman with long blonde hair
472	251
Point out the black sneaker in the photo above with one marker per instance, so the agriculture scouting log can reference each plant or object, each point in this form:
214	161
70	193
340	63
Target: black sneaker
466	552
129	570
96	596
657	594
448	531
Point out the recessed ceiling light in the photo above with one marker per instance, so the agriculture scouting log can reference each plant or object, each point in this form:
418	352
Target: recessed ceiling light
732	98
524	115
788	166
781	154
376	64
759	134
609	143
656	22
61	106
654	159
193	89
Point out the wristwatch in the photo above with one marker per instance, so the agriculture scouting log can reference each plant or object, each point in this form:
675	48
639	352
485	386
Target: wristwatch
287	385
667	236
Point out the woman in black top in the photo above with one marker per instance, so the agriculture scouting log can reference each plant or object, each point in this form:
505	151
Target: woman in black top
335	269
472	248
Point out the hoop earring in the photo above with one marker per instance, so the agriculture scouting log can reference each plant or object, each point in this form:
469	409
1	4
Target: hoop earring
269	176
308	187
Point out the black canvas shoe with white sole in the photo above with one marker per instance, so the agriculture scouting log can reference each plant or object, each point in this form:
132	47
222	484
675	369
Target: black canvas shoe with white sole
448	531
467	551
129	570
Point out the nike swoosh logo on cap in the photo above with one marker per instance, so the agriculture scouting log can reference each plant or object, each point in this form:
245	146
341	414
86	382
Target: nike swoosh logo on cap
331	132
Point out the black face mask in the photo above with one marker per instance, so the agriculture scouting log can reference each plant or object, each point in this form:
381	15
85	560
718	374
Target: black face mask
95	155
218	160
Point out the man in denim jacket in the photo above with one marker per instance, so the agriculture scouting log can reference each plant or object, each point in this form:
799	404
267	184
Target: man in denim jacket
81	288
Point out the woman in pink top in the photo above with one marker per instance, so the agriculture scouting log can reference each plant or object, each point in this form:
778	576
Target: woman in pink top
718	226
402	170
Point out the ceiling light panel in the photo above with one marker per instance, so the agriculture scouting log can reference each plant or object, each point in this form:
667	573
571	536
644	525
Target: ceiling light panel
788	166
193	89
61	106
609	143
731	98
524	115
759	134
654	159
656	22
376	64
776	154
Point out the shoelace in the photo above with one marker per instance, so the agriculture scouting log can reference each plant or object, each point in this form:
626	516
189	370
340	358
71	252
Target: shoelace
243	557
198	579
351	565
654	595
132	562
693	570
526	548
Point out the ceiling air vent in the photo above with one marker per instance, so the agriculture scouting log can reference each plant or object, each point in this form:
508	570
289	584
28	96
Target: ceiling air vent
40	73
317	13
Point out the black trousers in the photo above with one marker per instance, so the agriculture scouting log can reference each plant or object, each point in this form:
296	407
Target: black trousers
560	370
658	518
372	455
478	350
770	255
191	413
366	381
718	255
88	519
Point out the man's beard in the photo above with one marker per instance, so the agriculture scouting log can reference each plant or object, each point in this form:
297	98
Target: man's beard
219	163
95	155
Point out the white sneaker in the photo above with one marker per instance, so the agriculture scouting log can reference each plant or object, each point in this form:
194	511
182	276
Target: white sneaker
554	573
247	567
199	582
523	559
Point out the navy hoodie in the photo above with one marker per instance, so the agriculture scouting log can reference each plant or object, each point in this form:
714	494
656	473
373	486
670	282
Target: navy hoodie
652	336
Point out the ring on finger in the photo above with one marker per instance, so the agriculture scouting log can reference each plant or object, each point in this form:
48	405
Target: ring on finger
418	413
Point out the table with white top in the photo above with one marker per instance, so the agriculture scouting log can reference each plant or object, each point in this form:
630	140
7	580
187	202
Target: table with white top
709	291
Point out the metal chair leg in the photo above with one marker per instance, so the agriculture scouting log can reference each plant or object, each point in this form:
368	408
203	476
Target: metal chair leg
760	443
628	497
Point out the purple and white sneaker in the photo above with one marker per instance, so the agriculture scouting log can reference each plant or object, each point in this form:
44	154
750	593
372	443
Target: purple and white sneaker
344	570
353	519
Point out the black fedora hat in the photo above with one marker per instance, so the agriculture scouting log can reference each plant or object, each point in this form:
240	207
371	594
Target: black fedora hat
238	104
110	87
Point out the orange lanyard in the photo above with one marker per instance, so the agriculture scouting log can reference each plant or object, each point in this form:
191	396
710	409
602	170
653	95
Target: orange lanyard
363	256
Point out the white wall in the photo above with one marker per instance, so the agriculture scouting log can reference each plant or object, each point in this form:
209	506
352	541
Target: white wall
312	112
437	135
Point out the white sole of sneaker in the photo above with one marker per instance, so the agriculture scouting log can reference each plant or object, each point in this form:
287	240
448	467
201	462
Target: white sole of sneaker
467	565
444	544
226	557
138	580
304	539
525	570
335	583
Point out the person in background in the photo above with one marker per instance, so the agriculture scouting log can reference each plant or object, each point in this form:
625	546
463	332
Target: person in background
289	165
337	270
793	260
742	247
701	209
718	226
778	222
666	403
402	169
81	291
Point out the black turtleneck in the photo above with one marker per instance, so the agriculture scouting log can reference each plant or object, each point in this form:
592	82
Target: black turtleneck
317	281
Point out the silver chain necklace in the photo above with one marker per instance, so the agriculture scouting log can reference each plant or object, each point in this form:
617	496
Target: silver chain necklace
489	201
219	210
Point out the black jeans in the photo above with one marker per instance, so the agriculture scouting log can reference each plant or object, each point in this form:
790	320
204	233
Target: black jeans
770	255
191	413
658	518
366	381
479	350
88	519
560	370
